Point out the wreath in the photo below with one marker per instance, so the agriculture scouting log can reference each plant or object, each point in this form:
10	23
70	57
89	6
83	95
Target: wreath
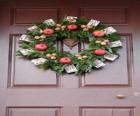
39	45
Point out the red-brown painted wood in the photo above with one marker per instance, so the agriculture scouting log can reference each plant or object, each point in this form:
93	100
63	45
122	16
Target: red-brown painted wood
26	90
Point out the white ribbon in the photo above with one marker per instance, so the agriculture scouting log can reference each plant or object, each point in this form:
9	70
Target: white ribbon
49	22
25	38
38	61
110	57
93	22
99	64
70	69
32	28
25	52
109	30
115	44
71	19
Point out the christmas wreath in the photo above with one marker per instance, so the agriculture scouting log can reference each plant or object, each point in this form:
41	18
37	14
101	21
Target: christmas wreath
39	45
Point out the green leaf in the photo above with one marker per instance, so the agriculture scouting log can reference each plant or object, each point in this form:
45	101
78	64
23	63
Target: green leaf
113	37
83	65
90	37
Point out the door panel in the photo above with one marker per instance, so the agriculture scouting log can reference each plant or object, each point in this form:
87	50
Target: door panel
30	73
25	16
26	90
107	111
34	111
103	14
118	73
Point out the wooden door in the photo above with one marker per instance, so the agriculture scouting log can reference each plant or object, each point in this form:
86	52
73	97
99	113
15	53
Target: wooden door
28	91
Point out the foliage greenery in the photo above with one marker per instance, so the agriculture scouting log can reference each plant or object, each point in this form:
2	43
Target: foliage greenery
83	65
